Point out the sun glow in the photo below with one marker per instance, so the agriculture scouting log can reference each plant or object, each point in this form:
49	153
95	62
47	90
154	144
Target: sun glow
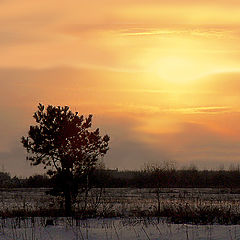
177	69
162	76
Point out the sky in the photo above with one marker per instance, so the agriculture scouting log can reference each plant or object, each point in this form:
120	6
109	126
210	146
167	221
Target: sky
162	78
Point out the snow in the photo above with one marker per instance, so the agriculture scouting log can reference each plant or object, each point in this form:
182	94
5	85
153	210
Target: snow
112	229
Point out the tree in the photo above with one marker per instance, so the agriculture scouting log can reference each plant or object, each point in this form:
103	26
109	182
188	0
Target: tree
63	142
160	175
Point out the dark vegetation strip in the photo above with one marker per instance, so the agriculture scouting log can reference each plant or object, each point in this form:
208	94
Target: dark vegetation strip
177	215
139	179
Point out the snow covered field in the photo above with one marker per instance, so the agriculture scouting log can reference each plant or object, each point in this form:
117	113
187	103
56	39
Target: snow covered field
112	229
122	202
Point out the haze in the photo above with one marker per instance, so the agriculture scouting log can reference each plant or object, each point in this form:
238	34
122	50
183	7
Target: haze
162	78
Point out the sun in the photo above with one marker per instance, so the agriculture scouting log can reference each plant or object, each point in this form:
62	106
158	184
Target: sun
178	68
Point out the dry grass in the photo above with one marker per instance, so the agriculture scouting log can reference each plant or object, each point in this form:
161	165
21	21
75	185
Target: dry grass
176	206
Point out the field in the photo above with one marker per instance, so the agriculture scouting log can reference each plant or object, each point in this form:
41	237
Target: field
123	214
125	202
112	229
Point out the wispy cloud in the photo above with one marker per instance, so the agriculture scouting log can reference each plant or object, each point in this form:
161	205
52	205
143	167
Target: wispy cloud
154	109
187	31
209	31
204	110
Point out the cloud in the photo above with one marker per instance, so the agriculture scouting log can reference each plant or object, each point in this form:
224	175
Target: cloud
118	69
77	34
144	123
161	31
198	143
128	150
201	30
204	110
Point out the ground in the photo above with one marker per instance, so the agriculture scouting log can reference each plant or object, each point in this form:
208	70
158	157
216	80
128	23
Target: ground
112	229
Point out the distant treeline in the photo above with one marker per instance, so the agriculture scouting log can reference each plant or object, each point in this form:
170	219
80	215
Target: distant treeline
158	178
36	181
155	178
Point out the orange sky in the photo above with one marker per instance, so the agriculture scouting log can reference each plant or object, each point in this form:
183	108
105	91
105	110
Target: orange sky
161	77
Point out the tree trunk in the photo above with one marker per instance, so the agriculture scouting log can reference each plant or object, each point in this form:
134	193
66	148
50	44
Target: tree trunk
86	195
68	203
67	191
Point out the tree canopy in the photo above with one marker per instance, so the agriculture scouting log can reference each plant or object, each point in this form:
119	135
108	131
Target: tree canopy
64	143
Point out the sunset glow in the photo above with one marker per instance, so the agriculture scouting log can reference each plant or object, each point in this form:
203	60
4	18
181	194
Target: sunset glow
161	77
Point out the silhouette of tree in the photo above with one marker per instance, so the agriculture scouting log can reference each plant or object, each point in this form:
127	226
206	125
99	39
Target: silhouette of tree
63	142
160	176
